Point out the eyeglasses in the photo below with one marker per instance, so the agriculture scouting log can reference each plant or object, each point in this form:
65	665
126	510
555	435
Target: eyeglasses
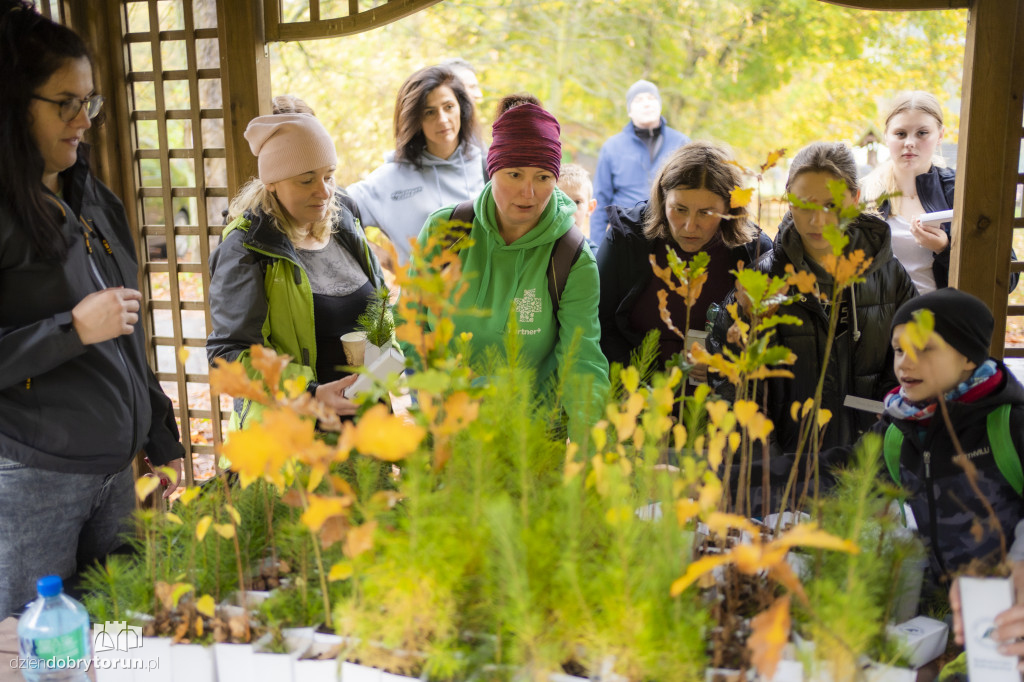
70	108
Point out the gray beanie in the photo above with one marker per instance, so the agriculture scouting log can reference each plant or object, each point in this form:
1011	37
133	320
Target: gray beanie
638	87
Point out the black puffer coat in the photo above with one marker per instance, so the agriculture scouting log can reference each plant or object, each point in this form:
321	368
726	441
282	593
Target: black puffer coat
861	360
625	267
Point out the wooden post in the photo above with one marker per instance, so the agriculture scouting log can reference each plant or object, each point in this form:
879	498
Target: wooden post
988	155
245	80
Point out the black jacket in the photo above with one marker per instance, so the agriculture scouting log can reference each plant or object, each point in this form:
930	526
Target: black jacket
625	267
65	406
935	190
861	360
944	504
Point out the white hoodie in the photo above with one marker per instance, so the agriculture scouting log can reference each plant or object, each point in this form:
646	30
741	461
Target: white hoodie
398	197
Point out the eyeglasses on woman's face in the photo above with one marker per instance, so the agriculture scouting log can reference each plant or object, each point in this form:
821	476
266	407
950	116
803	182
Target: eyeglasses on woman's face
70	108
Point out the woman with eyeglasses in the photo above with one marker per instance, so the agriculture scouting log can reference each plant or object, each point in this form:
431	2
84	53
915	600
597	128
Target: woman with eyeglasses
77	397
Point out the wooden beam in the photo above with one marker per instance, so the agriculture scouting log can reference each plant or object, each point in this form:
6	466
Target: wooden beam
393	10
901	5
245	81
988	155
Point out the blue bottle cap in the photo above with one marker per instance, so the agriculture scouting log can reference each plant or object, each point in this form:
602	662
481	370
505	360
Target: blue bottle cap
49	586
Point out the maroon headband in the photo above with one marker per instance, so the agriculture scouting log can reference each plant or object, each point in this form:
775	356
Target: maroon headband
525	136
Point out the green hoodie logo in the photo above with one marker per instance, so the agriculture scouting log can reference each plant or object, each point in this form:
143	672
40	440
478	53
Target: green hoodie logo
528	305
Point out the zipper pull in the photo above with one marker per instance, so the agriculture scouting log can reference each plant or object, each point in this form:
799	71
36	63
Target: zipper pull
927	464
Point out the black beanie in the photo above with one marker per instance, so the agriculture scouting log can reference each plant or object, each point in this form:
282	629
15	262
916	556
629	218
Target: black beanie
962	320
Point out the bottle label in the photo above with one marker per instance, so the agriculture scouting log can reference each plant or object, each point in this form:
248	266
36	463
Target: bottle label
67	647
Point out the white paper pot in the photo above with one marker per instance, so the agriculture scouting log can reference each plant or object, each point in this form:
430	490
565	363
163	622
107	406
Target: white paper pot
192	663
353	672
271	667
234	662
373	352
155	654
311	670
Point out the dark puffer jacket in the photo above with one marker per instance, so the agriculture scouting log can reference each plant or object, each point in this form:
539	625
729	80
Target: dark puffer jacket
945	505
65	406
625	269
861	360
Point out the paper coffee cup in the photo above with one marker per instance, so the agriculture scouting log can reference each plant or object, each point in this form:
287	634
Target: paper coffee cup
354	344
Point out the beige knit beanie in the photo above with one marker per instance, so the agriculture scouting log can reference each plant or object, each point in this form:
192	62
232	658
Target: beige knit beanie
288	145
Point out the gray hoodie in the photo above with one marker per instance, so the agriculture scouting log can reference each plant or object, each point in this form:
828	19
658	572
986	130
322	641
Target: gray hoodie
397	197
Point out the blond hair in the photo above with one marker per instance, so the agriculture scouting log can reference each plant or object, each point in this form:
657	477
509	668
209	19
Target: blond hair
254	196
882	180
575	176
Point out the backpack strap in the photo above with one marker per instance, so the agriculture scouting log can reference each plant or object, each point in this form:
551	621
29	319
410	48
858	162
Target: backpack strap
1003	449
564	255
463	213
892	446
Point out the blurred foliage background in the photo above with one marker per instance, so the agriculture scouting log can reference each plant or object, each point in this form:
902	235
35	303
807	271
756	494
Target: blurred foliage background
754	74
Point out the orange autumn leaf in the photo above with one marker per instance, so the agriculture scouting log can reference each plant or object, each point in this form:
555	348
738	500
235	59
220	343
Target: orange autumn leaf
804	281
769	632
666	276
773	158
230	378
666	316
744	411
268	363
846	269
384	436
360	539
695	570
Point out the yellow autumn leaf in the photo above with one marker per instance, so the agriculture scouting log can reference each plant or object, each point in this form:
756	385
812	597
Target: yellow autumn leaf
760	427
202	527
173	518
734	441
385	436
319	509
233	513
170	474
809	535
189	495
717	410
145	486
225	530
744	411
794	411
721	523
618	515
179	590
630	378
695	570
824	416
769	633
183	355
599	434
340	571
316	477
686	509
206	606
199	626
739	197
679	437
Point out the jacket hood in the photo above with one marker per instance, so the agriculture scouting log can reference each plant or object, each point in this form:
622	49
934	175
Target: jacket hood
627	222
867	232
501	265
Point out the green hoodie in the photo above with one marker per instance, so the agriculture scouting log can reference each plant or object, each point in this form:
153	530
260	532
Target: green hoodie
511	279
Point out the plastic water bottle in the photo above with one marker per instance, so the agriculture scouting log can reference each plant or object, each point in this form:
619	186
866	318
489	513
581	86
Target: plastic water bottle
53	636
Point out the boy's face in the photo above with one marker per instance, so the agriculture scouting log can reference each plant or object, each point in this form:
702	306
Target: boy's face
938	369
585	206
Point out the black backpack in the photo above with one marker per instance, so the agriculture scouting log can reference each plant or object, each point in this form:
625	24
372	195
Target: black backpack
564	255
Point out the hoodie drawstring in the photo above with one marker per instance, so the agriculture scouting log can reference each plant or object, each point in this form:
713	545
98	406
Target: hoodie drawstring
856	325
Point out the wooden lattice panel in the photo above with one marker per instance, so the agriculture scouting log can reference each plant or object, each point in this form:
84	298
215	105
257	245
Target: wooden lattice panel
179	181
313	19
1015	311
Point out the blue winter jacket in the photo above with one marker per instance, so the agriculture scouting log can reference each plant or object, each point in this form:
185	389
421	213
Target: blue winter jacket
625	172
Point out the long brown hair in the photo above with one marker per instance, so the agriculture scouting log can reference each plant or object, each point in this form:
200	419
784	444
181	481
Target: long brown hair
699	165
410	142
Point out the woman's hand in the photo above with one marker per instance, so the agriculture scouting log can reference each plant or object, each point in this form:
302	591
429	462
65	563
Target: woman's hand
332	394
105	315
930	237
1009	632
179	466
